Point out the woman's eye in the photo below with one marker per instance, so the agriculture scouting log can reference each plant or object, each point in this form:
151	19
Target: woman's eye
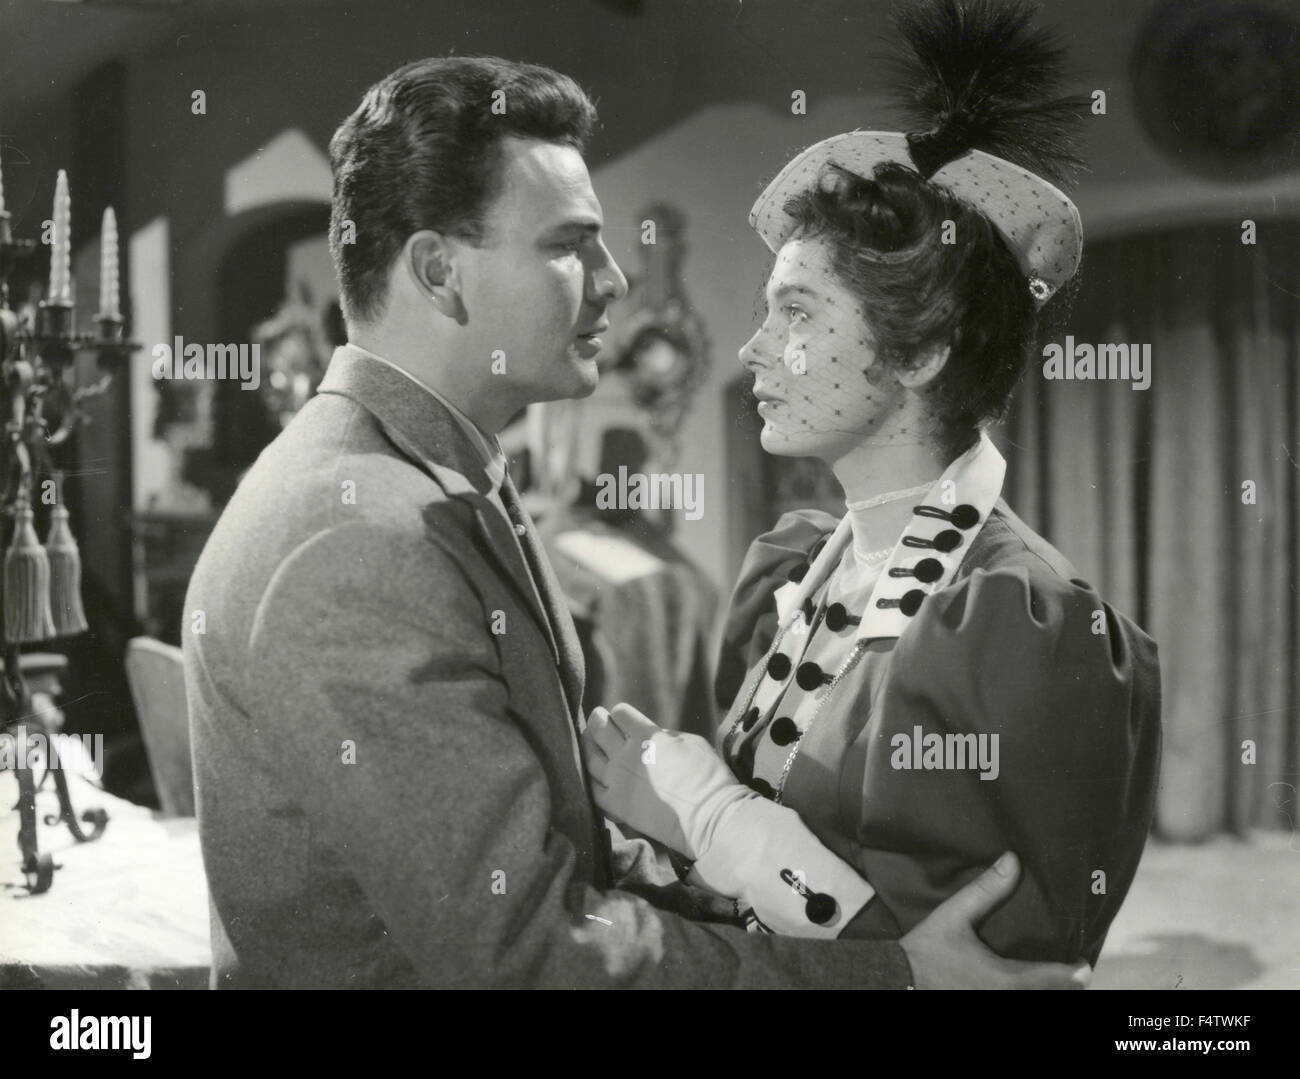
795	314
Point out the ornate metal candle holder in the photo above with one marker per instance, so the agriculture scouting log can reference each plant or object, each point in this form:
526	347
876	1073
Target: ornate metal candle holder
42	408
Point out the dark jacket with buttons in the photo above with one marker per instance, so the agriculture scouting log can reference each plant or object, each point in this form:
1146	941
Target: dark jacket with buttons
1014	645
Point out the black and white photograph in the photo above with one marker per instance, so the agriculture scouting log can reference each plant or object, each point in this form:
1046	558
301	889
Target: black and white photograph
650	494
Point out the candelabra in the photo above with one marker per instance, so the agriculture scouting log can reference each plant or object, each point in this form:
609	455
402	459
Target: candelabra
42	407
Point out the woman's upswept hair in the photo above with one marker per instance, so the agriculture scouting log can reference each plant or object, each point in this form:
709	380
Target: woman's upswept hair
977	76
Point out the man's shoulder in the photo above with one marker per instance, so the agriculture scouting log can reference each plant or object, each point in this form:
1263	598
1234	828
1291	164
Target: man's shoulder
335	465
330	511
335	459
331	472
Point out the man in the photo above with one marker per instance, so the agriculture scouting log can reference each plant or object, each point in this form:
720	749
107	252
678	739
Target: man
384	685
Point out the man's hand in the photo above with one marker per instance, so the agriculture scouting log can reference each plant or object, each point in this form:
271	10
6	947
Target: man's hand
945	953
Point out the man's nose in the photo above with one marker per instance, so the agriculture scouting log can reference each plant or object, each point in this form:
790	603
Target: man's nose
607	280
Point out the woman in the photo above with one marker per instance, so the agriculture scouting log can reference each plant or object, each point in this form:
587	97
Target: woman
927	681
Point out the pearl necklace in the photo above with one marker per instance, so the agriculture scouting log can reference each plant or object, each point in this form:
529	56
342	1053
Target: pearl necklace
871	557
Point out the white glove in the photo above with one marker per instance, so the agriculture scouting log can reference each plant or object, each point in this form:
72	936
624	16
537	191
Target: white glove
769	859
667	785
675	789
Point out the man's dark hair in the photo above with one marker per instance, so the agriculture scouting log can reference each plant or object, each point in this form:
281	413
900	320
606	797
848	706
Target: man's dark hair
422	151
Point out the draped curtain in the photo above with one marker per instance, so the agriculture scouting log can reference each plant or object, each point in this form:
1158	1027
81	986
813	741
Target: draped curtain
1181	502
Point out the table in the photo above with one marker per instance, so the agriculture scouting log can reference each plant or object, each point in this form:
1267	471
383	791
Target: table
127	911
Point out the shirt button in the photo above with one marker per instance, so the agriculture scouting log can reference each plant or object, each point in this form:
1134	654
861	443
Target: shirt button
520	530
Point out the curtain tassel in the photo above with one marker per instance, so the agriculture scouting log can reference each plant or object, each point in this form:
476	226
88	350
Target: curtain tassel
27	584
65	576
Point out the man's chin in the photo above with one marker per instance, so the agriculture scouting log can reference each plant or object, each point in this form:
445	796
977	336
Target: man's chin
580	379
589	373
585	376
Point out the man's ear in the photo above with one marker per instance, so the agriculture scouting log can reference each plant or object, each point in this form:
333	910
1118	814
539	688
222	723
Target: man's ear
925	367
430	258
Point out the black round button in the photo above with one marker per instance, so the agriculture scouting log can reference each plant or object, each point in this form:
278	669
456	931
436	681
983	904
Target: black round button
837	617
763	787
809	676
821	908
964	517
750	718
947	540
928	570
798	573
784	731
911	602
779	666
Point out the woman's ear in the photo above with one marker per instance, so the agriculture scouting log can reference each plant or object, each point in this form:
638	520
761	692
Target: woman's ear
925	367
430	260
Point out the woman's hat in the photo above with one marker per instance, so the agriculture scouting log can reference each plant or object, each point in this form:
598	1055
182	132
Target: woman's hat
980	85
1039	222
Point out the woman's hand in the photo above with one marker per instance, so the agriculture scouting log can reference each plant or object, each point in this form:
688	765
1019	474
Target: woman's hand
669	786
674	788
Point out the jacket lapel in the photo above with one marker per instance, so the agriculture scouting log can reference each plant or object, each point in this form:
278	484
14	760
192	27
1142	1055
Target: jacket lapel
423	429
565	640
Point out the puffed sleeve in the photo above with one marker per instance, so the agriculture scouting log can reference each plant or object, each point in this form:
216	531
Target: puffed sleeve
750	622
1062	696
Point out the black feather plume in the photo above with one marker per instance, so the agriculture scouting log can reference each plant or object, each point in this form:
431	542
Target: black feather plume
976	75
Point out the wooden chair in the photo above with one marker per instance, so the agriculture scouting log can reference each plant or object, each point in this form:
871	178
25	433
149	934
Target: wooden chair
156	674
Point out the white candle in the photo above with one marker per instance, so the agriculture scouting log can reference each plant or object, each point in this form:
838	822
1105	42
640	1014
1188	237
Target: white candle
61	251
109	282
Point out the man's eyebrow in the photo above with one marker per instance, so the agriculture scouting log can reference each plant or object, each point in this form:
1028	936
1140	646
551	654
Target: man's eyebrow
585	225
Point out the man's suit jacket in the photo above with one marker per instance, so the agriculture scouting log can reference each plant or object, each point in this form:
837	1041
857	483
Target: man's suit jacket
385	731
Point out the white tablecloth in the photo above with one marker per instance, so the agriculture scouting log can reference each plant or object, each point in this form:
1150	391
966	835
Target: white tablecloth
129	910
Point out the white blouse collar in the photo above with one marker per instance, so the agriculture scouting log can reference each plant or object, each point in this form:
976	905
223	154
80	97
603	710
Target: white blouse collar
925	557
